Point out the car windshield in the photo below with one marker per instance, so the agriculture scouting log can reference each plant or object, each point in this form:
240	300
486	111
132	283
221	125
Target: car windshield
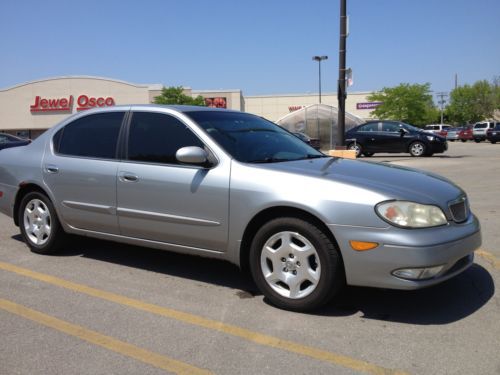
413	128
252	139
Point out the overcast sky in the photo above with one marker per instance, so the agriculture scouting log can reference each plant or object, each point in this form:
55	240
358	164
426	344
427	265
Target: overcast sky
258	46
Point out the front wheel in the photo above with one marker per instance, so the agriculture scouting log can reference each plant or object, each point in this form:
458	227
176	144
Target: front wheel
417	149
295	264
39	224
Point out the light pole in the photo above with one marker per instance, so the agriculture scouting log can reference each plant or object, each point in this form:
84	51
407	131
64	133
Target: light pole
341	94
319	59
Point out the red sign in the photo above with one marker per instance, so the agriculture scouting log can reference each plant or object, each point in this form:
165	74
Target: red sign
52	105
218	102
66	104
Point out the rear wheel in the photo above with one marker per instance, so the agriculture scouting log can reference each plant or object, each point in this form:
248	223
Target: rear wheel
39	224
295	264
417	149
477	140
356	147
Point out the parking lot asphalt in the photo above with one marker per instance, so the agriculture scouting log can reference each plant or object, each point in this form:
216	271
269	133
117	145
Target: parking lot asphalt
104	308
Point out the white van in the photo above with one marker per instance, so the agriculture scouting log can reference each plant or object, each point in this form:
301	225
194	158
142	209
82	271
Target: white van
441	129
479	130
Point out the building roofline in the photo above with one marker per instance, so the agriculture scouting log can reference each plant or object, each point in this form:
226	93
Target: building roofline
154	86
308	94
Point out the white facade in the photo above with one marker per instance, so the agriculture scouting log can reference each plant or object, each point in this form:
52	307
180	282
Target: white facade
30	108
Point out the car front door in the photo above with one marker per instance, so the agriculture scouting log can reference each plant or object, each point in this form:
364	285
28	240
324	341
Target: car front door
80	171
390	138
160	199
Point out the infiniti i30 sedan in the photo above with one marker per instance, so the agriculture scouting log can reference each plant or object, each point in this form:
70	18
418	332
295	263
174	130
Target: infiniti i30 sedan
233	186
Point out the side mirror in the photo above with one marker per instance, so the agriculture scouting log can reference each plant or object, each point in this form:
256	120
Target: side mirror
192	155
402	131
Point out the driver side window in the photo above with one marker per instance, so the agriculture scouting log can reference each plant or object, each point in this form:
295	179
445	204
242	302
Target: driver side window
156	137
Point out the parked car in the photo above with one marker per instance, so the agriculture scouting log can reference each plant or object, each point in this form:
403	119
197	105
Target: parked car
314	142
479	130
393	136
466	133
440	129
452	134
234	186
493	135
7	141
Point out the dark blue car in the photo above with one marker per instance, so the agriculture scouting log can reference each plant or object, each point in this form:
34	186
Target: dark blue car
393	137
7	140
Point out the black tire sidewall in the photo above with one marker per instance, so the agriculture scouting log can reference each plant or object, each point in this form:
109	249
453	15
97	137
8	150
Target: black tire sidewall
332	277
56	232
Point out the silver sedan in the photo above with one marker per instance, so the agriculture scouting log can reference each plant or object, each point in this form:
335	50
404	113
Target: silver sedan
233	186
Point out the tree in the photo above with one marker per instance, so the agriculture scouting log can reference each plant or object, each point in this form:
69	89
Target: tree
175	95
474	103
408	103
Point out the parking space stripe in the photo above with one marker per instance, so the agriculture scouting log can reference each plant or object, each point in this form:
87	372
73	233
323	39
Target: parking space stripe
246	334
489	257
99	339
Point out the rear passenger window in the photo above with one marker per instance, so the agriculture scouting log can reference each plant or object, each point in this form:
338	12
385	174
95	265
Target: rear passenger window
156	137
94	136
373	127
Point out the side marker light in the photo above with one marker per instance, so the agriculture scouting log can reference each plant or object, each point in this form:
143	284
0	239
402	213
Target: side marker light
362	245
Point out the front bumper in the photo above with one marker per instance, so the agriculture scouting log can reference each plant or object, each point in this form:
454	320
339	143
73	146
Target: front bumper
451	246
438	147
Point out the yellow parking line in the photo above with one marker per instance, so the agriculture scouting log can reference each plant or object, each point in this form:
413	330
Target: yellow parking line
489	257
107	342
255	337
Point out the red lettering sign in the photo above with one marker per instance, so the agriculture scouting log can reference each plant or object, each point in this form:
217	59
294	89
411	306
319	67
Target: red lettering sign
52	105
65	104
86	102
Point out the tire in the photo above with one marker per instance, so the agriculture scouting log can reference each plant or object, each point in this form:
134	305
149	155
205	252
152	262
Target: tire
417	149
40	227
356	147
295	265
477	140
464	140
368	154
493	142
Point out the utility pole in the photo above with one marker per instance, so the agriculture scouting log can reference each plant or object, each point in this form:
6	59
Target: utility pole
441	101
341	90
456	80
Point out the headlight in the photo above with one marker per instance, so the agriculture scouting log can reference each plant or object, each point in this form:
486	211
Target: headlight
430	138
411	214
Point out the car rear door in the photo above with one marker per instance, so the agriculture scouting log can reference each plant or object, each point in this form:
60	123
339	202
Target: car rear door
160	199
81	168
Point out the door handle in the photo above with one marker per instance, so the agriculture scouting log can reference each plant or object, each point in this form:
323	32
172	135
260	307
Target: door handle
50	168
128	177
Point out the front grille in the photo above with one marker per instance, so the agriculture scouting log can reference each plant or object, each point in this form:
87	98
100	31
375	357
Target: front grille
459	209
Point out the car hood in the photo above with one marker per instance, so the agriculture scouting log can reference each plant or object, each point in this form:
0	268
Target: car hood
393	181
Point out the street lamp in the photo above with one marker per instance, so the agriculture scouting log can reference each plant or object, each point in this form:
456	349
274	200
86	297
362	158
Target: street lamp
319	59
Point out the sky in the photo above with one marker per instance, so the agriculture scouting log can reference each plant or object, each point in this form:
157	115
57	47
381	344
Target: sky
262	47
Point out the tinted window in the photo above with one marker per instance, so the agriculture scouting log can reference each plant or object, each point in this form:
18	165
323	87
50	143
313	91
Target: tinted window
481	126
252	139
3	139
373	127
92	136
390	127
156	137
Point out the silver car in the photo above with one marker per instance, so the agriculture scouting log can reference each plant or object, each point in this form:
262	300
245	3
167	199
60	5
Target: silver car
233	186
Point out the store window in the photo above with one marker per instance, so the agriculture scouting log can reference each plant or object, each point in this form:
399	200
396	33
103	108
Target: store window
156	137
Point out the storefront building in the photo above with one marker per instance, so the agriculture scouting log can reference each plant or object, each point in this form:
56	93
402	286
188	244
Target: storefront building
30	108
